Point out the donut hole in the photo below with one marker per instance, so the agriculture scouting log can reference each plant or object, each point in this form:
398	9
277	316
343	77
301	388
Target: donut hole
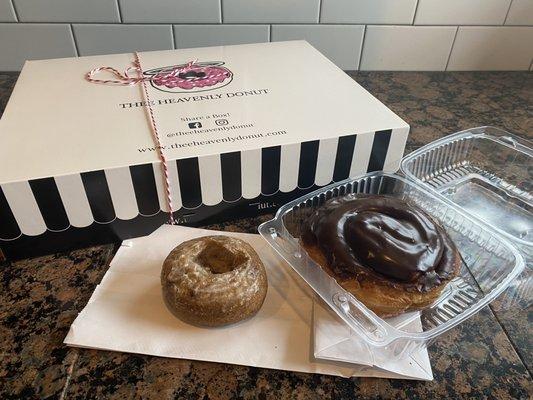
191	75
218	259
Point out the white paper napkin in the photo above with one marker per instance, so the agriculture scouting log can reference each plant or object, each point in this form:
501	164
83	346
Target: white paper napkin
126	313
335	341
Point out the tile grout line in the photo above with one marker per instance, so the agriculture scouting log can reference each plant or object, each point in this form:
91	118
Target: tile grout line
451	49
361	51
119	9
507	13
416	10
173	33
70	371
71	28
262	23
15	10
363	41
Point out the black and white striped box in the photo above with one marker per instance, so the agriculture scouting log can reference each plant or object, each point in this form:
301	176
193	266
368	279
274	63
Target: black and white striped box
78	164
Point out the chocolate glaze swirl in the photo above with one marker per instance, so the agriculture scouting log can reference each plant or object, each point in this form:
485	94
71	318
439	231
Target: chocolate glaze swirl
384	236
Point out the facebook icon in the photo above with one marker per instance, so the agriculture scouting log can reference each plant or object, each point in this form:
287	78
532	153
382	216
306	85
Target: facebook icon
195	125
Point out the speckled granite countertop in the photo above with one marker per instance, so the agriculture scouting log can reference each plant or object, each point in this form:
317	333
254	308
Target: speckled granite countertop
489	356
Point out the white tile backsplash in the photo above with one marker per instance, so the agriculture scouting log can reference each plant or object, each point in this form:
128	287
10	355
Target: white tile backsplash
368	11
340	43
520	13
461	12
170	11
187	36
355	34
7	14
407	48
21	42
95	39
270	11
67	10
492	48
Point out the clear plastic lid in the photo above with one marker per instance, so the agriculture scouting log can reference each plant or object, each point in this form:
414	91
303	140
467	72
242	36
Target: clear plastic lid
487	172
490	263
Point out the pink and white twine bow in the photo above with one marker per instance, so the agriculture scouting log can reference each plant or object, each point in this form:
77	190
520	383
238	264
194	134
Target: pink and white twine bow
126	79
189	76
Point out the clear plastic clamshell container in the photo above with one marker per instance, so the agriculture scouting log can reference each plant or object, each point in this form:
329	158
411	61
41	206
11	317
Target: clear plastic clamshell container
491	261
487	172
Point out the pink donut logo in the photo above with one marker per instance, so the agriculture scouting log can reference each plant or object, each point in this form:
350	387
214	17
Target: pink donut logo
190	77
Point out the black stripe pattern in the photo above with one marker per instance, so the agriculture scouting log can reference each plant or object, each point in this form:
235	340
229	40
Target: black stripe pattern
9	228
343	160
145	188
230	165
50	203
95	184
270	165
380	147
307	165
189	176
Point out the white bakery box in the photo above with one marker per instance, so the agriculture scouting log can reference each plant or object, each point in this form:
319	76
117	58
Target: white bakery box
78	164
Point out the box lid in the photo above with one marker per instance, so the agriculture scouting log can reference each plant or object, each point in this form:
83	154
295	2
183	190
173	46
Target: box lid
57	123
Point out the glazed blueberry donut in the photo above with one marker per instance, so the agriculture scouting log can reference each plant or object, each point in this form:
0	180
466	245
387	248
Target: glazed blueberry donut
213	281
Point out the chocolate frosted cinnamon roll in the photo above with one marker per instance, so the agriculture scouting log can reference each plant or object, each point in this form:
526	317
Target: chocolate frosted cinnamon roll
390	254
